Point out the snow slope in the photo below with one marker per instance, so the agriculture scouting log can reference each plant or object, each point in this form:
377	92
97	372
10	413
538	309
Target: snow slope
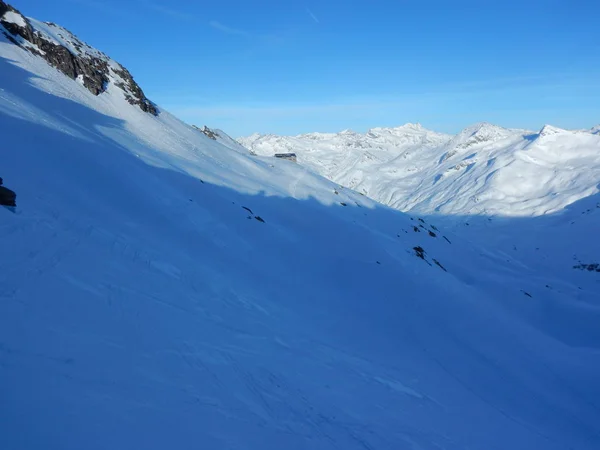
161	290
484	170
222	138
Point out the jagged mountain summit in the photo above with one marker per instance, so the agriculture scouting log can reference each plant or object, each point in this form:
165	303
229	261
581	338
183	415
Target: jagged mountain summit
160	287
483	170
77	60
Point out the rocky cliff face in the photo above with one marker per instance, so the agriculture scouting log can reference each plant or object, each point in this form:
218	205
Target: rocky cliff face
77	60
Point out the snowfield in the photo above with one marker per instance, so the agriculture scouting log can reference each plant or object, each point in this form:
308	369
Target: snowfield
484	170
160	289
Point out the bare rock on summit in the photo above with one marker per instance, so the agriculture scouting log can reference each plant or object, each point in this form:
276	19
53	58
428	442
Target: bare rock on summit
92	67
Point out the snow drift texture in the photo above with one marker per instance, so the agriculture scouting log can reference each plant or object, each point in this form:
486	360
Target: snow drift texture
159	289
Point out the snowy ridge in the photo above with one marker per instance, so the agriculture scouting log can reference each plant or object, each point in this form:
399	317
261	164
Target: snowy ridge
63	37
222	138
483	170
160	288
74	58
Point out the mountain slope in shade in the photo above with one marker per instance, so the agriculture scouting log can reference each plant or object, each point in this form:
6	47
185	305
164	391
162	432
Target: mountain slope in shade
159	289
484	170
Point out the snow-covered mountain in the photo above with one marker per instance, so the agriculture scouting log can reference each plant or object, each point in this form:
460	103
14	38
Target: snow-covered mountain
73	57
483	170
160	287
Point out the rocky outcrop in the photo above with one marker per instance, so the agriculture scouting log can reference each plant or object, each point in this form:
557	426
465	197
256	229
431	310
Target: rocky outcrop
7	197
94	70
133	92
207	132
4	8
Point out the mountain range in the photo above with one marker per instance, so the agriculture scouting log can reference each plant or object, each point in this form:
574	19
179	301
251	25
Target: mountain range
483	170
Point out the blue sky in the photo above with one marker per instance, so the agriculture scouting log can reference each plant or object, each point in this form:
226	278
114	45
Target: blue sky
292	67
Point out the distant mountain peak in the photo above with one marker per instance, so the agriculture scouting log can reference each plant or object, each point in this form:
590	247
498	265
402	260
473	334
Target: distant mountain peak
484	128
411	126
477	134
549	130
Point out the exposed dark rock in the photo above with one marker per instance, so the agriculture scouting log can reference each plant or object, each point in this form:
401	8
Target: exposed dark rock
207	132
589	267
93	71
343	204
419	252
432	234
133	92
439	265
7	197
248	209
260	219
448	240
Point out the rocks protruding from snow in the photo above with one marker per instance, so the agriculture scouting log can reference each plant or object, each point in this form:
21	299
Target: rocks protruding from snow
7	197
211	134
222	138
595	130
133	92
77	60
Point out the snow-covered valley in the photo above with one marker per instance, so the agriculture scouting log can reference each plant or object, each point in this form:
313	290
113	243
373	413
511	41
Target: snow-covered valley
163	289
